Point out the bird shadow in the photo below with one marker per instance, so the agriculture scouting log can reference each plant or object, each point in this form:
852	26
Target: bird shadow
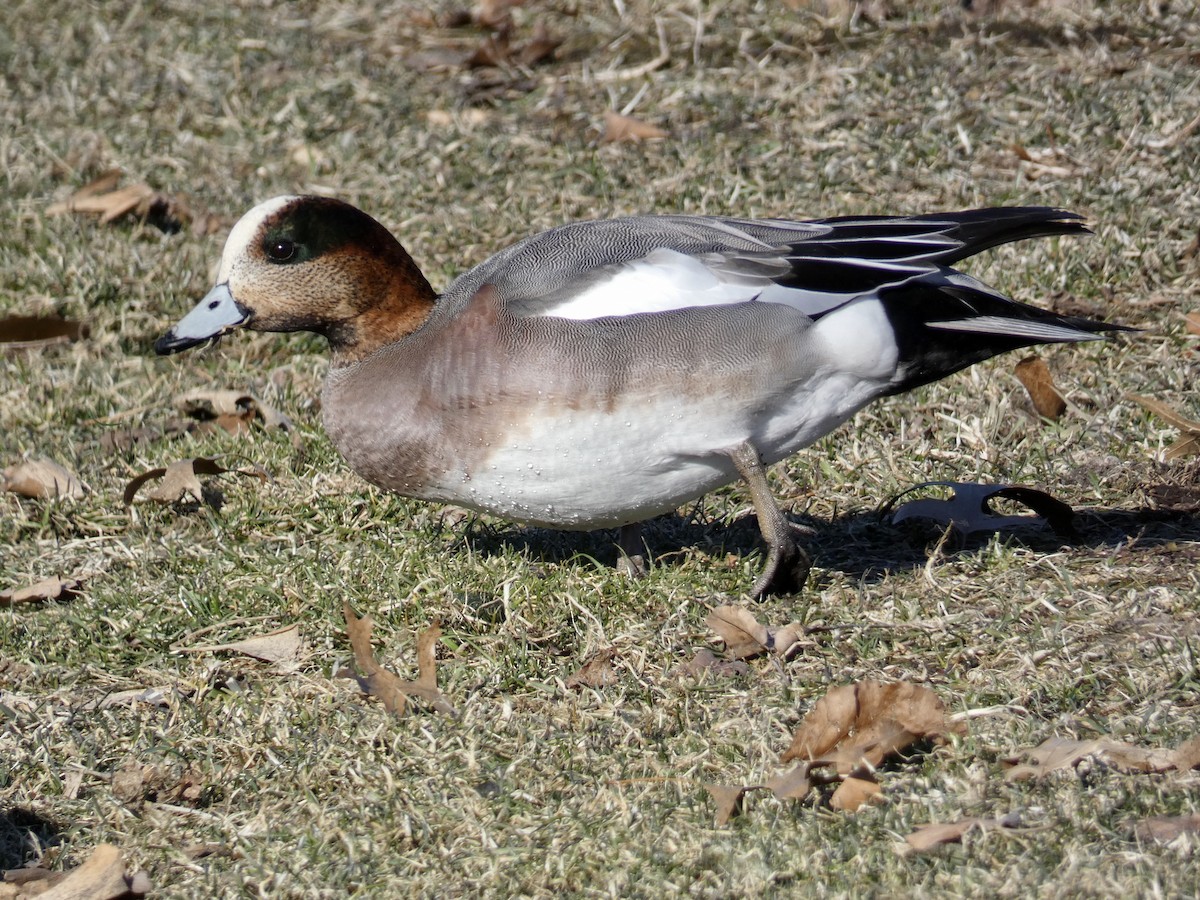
25	835
864	546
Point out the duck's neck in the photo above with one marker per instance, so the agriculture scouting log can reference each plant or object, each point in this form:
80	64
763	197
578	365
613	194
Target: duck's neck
396	303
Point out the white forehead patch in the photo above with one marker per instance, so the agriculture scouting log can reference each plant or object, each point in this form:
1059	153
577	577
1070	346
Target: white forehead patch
246	230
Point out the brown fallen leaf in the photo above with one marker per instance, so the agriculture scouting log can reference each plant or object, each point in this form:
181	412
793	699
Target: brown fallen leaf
854	791
792	785
392	690
1188	442
935	834
285	647
1056	754
38	332
101	877
236	405
40	478
103	198
180	481
728	799
745	637
1033	372
50	589
597	671
1191	322
969	511
705	662
865	723
626	128
1164	829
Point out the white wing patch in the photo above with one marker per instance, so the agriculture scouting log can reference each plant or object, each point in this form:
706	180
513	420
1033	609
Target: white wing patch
665	280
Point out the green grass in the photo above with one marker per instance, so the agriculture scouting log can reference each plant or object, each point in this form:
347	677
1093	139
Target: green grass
304	787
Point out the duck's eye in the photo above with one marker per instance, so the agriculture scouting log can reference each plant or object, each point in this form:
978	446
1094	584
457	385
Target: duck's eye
279	249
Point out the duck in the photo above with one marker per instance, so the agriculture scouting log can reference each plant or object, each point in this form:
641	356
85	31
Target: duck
604	372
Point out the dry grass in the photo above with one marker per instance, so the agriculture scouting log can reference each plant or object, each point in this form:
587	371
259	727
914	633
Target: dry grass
265	782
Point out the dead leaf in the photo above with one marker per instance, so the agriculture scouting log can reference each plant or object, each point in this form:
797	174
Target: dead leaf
745	637
867	722
50	589
707	662
37	332
101	877
1056	754
285	647
854	791
626	128
793	785
1033	372
596	672
41	478
392	690
1188	442
1187	755
968	511
1175	497
207	405
1164	829
935	834
103	198
728	799
180	481
1191	322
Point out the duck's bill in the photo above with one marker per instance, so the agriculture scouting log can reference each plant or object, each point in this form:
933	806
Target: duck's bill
213	316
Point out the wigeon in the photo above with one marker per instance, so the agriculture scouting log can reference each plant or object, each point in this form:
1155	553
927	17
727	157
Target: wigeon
602	373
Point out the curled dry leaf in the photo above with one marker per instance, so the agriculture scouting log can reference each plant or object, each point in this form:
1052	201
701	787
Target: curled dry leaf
854	791
744	636
707	662
1191	321
50	589
626	128
1057	754
285	647
230	408
1188	443
596	672
1165	829
101	877
41	478
103	198
728	799
180	481
37	332
1033	372
969	510
935	834
392	690
865	723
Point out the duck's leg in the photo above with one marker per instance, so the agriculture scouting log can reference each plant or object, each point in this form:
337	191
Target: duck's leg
787	563
631	559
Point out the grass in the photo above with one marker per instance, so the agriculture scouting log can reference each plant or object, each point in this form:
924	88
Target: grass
252	780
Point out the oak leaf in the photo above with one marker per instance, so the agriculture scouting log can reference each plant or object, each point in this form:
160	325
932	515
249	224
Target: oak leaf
1057	754
1033	372
626	128
379	682
935	834
285	647
48	589
597	671
181	482
1188	442
745	636
40	478
1165	829
37	332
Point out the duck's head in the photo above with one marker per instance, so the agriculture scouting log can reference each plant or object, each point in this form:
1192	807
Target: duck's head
310	264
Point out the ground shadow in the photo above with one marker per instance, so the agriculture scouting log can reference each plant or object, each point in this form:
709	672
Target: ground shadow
864	546
24	836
